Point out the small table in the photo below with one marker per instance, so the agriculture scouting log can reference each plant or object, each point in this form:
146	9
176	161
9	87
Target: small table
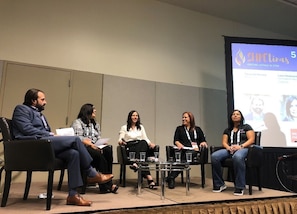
164	167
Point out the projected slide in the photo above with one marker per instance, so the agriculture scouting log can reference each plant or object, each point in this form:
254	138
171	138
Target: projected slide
265	90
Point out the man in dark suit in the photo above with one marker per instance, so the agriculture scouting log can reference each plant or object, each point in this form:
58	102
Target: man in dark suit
28	122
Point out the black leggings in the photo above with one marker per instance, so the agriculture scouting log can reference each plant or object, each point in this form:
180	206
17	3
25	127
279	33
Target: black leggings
138	146
102	162
195	154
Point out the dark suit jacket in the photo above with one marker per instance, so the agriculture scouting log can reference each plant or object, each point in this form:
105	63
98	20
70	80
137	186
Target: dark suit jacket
27	123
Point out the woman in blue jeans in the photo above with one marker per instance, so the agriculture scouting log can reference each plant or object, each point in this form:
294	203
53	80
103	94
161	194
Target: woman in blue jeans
236	140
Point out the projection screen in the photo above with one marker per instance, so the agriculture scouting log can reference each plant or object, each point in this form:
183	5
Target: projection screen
261	77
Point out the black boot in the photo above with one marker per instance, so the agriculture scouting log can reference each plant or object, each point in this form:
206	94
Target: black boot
171	183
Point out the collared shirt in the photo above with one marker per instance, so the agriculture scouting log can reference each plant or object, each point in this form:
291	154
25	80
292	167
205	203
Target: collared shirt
46	126
84	131
133	134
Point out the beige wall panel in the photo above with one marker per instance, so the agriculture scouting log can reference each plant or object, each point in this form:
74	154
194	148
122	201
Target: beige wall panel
143	39
86	87
208	106
171	101
213	105
54	82
1	74
120	95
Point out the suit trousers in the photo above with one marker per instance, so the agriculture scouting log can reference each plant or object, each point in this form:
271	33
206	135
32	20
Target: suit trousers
74	153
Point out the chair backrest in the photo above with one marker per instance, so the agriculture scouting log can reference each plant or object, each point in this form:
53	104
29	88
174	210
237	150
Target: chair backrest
5	126
257	138
120	152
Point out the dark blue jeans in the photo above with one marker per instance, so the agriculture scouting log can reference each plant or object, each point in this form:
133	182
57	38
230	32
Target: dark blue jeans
238	159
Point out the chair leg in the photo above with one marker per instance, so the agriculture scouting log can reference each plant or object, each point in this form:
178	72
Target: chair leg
1	170
202	175
249	172
259	178
61	179
49	189
182	177
120	179
6	188
28	184
121	173
157	174
250	189
124	175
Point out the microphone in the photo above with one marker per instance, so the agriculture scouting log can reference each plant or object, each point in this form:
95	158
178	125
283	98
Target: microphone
283	157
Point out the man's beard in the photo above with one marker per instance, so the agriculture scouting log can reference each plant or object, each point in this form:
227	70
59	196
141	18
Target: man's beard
39	107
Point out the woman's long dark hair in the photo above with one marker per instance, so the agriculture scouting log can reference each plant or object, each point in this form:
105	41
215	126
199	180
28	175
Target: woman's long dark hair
85	114
231	123
129	120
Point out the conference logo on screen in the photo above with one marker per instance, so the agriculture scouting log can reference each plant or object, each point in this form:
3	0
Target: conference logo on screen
239	58
262	60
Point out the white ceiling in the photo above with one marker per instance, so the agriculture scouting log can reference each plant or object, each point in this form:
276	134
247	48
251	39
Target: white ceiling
271	15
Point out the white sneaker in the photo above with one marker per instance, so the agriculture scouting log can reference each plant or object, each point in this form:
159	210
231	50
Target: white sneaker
43	196
219	189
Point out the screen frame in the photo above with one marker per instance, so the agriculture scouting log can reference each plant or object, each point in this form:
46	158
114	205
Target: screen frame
228	60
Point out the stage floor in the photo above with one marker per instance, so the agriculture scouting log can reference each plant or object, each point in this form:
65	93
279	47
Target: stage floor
127	197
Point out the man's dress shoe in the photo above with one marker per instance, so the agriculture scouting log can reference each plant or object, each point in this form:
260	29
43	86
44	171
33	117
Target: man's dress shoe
78	201
100	178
